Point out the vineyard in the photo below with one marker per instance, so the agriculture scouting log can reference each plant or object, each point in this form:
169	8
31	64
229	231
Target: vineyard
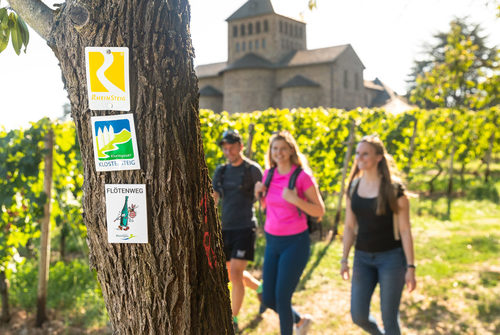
440	153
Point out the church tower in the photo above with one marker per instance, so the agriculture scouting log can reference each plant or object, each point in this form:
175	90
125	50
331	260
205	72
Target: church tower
256	28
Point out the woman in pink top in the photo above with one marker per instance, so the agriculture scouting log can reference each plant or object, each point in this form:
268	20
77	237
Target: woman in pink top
287	237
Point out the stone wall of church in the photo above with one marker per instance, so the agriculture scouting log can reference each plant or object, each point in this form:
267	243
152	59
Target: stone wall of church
348	83
258	42
317	73
211	102
215	82
246	90
294	97
281	36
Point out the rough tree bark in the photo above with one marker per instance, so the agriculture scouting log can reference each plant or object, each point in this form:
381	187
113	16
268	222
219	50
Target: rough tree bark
177	283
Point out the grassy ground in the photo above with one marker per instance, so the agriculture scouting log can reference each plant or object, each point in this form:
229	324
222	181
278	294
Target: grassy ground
458	282
458	278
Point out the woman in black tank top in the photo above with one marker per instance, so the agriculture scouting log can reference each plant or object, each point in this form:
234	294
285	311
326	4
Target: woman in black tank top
378	223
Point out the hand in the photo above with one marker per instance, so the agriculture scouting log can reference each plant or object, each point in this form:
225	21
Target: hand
290	195
344	271
260	190
411	282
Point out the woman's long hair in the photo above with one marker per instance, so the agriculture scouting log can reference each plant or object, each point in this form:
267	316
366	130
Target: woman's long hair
387	171
297	157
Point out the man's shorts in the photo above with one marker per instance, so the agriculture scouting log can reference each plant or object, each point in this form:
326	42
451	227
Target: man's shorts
239	243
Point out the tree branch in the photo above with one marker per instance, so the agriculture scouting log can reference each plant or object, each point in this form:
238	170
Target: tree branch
38	15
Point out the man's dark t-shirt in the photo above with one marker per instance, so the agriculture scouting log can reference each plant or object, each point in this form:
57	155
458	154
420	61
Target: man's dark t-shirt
237	193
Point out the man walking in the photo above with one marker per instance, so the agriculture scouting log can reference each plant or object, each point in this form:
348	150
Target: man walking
234	184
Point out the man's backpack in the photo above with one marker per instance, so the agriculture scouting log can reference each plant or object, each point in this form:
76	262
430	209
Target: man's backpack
247	184
313	223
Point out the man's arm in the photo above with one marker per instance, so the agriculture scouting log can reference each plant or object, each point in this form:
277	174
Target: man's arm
256	176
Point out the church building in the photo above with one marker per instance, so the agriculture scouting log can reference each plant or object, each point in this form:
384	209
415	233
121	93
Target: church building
269	66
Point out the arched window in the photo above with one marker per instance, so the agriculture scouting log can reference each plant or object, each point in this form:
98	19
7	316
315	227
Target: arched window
257	27
250	45
242	30
256	44
237	47
266	26
243	46
250	29
235	31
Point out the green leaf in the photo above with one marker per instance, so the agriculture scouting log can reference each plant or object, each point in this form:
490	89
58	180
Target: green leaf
17	40
25	34
4	39
4	19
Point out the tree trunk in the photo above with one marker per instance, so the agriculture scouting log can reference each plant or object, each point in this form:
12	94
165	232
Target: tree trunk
489	155
450	173
62	241
176	283
251	131
431	182
412	147
462	175
4	293
44	262
347	159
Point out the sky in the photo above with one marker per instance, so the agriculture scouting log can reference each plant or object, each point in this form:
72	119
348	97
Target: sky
387	35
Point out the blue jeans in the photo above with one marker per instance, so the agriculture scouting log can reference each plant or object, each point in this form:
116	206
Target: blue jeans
284	261
388	268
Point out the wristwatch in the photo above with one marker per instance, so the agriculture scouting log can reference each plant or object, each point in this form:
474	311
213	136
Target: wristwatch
411	266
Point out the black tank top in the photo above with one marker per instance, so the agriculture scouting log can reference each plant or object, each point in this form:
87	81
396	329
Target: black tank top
375	232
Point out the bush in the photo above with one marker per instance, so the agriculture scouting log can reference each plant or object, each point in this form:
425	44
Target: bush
73	292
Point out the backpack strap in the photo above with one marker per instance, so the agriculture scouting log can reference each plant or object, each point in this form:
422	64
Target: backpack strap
269	177
293	178
246	180
220	180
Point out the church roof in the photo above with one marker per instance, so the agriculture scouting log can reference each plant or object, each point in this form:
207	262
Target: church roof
294	58
299	81
250	61
252	8
210	91
386	98
210	70
372	86
383	96
315	56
